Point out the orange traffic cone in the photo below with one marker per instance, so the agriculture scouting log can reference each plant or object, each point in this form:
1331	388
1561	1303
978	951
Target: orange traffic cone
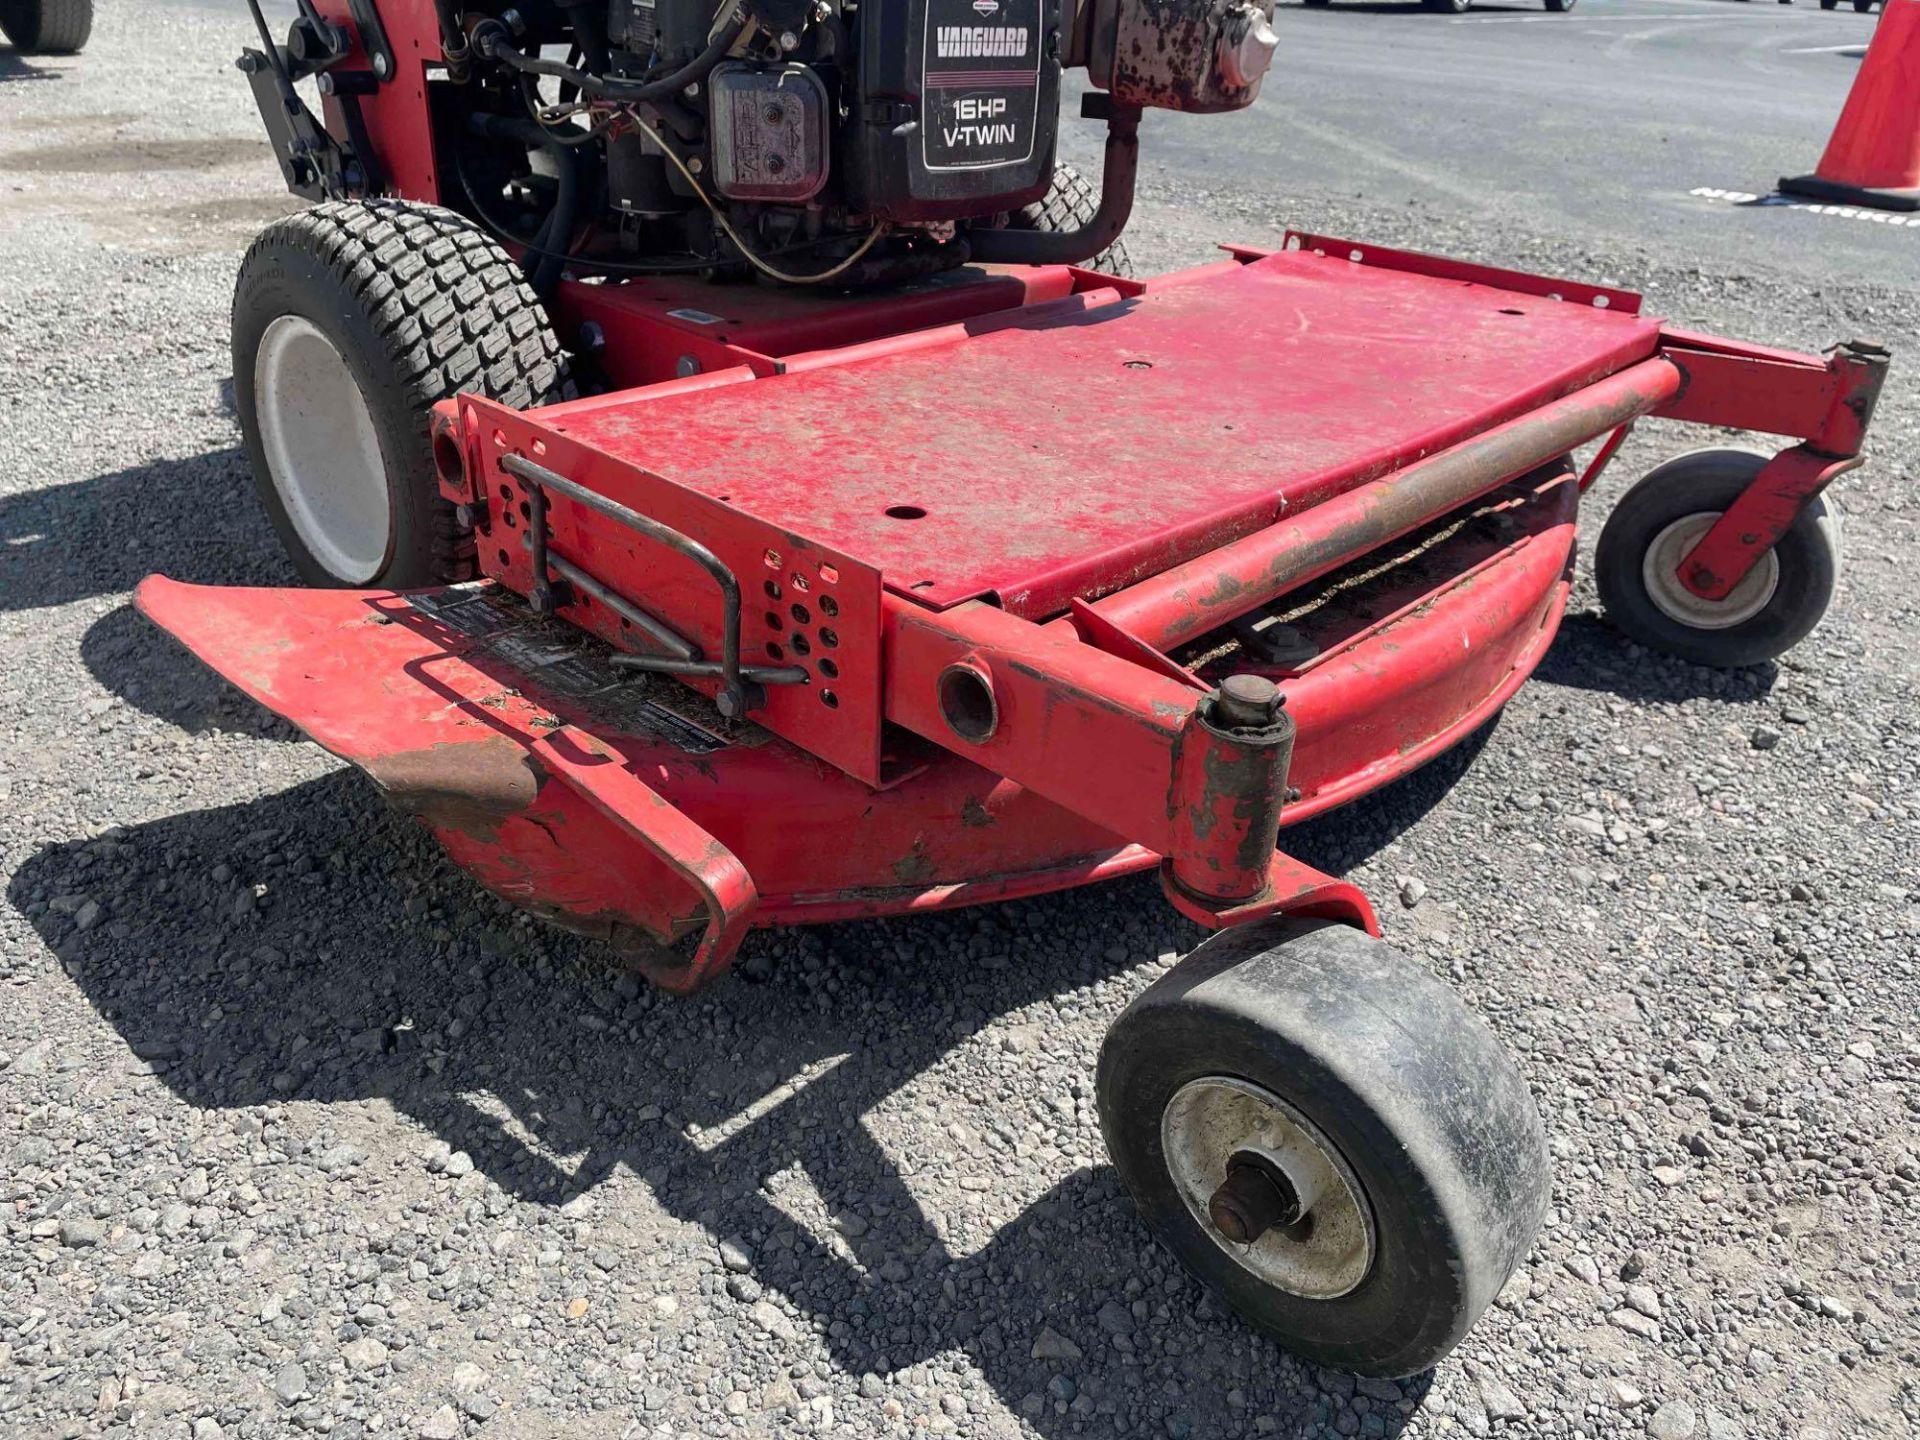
1874	155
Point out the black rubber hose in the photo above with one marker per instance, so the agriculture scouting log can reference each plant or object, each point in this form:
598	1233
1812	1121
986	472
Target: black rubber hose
588	18
496	45
1069	247
453	40
550	242
556	237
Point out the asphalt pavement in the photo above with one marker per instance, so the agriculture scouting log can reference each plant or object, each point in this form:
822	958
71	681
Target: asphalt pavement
1600	122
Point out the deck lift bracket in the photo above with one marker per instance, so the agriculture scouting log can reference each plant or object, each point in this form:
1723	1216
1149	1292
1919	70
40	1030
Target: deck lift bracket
1767	508
314	163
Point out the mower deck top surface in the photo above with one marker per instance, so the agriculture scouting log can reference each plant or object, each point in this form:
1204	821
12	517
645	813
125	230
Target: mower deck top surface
1103	440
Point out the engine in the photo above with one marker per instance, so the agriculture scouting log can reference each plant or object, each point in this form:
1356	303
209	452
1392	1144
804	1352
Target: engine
807	141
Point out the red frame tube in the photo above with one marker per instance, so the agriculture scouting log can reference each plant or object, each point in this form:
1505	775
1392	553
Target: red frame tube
1187	601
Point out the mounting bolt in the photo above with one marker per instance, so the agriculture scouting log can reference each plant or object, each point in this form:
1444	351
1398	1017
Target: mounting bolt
382	66
1252	1200
789	42
735	701
1247	701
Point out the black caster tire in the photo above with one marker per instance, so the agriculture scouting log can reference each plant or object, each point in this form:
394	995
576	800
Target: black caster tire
47	27
1829	4
1449	7
1559	7
1314	1064
1663	516
1316	4
351	320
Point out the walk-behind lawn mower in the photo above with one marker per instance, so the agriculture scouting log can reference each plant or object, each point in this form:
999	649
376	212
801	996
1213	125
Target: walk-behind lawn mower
750	489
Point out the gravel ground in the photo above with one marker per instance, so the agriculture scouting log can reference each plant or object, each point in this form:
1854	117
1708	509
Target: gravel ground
303	1132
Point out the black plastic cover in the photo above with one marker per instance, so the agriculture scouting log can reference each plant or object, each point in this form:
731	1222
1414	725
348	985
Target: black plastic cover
957	108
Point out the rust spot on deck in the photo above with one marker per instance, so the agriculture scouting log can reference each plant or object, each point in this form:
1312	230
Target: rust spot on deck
915	867
469	787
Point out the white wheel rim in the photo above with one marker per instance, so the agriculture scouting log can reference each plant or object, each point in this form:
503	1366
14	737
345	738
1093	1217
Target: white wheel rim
1209	1121
323	454
1660	573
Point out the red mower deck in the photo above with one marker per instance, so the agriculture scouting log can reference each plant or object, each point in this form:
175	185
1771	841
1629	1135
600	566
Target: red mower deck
963	555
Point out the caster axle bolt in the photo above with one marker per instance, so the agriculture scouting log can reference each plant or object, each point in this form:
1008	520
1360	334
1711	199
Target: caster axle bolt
1253	1199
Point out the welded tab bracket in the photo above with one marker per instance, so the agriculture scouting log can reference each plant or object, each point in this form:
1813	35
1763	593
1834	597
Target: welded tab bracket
1293	887
1439	267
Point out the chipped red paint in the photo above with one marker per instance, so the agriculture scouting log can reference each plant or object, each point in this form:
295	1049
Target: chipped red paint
726	892
1224	805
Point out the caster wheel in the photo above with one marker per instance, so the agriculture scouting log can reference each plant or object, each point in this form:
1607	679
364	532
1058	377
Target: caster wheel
1328	1139
1660	519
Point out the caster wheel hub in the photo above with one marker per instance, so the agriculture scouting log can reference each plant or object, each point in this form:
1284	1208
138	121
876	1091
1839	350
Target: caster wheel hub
1660	574
1267	1187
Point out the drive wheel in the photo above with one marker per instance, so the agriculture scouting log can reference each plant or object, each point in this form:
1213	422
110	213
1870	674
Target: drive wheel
1328	1139
1559	7
1070	204
350	321
47	27
1660	520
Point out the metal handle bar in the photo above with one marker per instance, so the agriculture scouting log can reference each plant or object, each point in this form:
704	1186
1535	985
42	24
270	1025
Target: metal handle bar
740	686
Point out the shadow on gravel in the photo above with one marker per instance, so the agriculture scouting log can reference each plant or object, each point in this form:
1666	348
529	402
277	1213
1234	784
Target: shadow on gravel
314	944
149	670
193	519
13	66
1589	654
